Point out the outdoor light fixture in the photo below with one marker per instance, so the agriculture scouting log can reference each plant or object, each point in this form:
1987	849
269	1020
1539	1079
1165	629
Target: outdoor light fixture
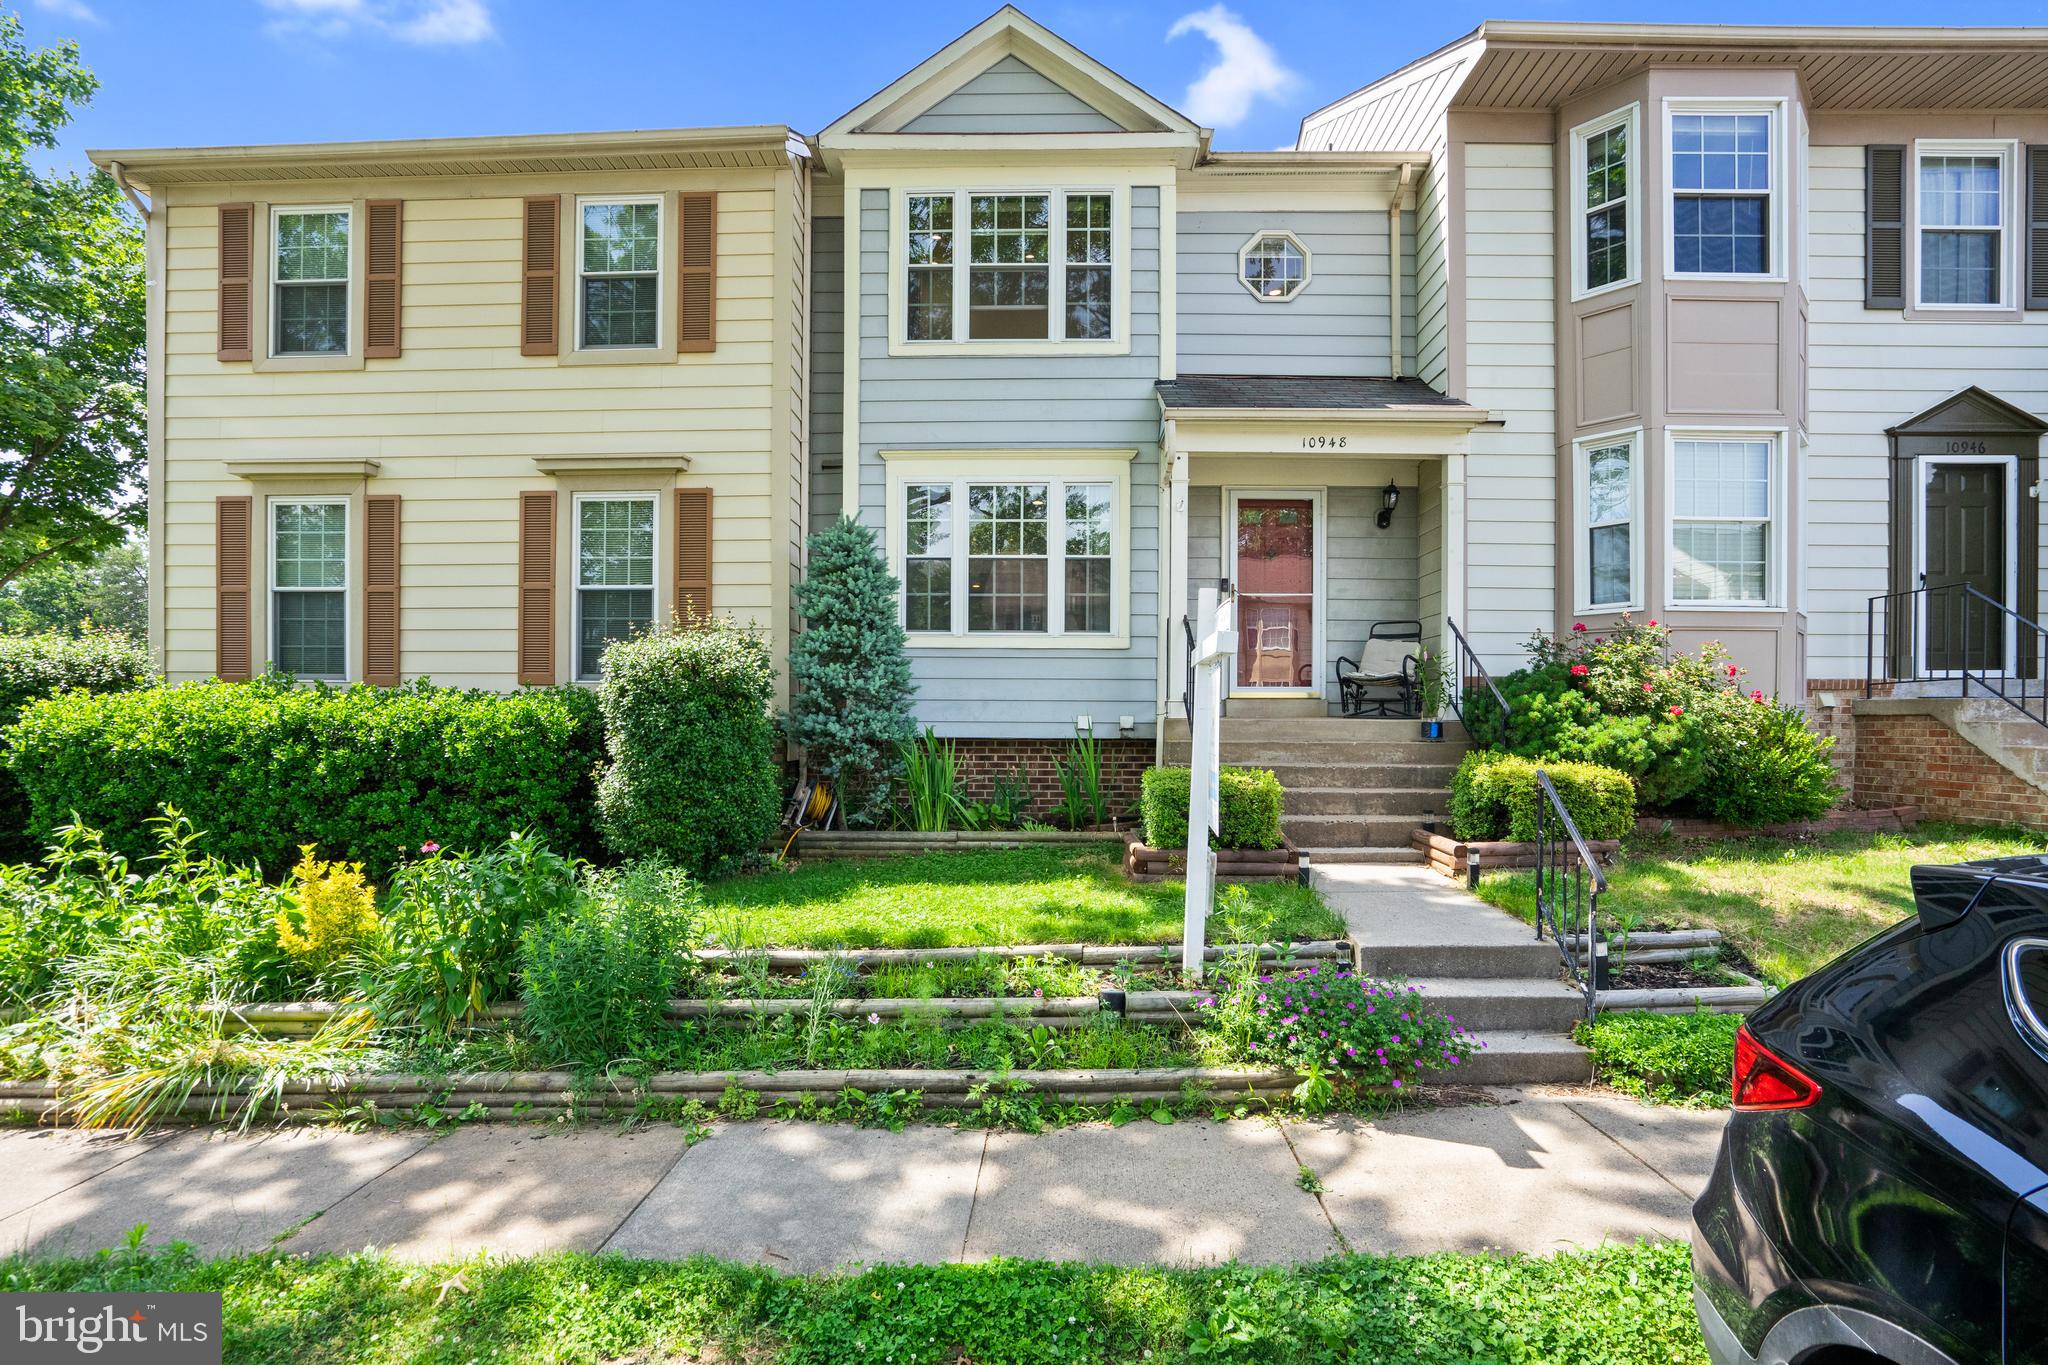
1390	498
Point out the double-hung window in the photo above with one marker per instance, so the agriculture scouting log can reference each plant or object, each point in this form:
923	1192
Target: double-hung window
1963	207
1723	177
1012	265
1608	515
618	274
614	573
309	587
1604	223
309	274
1724	501
1006	556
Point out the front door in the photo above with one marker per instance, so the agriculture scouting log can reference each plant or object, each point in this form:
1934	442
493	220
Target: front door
1963	520
1275	573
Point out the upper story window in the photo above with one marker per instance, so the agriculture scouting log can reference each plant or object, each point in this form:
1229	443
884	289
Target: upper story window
1609	515
1724	501
1604	223
1963	209
618	273
309	587
614	574
310	274
1723	181
1274	266
1035	265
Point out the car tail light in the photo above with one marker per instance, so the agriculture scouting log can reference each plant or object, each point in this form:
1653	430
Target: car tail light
1764	1080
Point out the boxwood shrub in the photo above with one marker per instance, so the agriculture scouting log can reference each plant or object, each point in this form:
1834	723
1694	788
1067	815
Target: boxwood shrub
33	666
1494	796
362	773
1249	798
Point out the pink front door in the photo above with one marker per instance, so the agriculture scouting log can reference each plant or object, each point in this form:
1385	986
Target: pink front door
1276	593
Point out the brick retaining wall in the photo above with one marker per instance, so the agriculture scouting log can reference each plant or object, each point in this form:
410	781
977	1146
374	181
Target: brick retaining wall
1917	759
982	761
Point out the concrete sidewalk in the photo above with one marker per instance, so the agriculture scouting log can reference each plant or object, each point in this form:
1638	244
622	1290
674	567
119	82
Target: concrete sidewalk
1536	1171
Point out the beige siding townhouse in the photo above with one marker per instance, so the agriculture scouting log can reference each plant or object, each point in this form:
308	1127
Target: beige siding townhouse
466	409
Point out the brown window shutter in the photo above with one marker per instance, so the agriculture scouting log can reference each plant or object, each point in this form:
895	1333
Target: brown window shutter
697	294
537	589
380	589
1884	244
237	280
541	262
2037	227
384	243
233	520
693	554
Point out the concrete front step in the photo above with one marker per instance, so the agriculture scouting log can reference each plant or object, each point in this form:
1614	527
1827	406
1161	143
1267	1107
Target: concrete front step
1371	831
1316	728
1389	800
1272	753
1433	778
1512	1004
1517	1058
1340	855
1530	960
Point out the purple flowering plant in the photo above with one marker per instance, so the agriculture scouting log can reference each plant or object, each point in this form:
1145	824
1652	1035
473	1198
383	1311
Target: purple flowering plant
1376	1035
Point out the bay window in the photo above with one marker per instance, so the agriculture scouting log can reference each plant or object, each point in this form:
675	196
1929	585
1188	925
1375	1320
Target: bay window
1724	515
1723	177
1604	219
1609	517
1034	265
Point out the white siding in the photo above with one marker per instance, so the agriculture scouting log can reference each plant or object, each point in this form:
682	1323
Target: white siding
1510	479
1432	273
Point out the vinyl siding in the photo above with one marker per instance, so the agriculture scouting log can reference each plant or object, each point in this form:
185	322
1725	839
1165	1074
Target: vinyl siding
1397	114
828	366
458	419
1337	324
1052	403
1511	475
1012	97
1432	273
1871	370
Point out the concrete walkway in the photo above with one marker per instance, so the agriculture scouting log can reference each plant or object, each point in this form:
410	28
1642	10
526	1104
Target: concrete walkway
1533	1170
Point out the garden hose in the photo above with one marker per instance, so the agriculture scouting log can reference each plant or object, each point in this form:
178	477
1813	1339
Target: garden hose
814	810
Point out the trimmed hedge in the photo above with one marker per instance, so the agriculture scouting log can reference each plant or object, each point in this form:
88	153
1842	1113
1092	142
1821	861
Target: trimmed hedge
1249	799
1495	796
692	777
363	773
33	666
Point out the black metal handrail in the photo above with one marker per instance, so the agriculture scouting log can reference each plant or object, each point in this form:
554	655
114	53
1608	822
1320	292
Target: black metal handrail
1467	674
1187	692
1568	886
1934	635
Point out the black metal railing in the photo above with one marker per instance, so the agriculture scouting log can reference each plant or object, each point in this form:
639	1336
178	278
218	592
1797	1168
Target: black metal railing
1959	635
1187	691
1468	677
1568	886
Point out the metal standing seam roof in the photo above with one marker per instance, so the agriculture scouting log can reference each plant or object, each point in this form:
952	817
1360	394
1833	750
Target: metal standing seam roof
1307	392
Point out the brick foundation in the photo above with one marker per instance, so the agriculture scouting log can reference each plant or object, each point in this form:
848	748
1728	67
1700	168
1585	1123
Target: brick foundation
1918	759
982	761
1839	721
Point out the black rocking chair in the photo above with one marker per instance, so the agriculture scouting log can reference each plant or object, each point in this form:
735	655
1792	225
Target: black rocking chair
1381	681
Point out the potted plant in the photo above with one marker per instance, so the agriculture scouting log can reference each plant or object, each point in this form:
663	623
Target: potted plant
1430	693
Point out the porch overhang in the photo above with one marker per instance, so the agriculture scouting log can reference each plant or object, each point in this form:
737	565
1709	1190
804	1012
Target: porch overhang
1324	401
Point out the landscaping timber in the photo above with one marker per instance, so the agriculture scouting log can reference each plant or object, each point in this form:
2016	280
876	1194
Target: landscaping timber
1451	856
1143	863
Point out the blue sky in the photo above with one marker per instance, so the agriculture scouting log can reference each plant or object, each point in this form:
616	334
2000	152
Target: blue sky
198	72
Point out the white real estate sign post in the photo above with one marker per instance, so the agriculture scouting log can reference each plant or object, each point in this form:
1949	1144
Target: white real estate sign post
1213	653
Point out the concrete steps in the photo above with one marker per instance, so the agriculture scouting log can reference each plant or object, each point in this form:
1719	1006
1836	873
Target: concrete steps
1406	801
1353	831
1505	1004
1340	855
1525	1059
1451	957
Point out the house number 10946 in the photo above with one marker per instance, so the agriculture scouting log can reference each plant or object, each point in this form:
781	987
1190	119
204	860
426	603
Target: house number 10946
1323	442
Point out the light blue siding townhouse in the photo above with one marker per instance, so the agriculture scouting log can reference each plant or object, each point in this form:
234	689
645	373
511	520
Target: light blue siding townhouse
1073	366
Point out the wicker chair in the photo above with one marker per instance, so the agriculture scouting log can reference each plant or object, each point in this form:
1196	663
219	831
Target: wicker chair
1381	681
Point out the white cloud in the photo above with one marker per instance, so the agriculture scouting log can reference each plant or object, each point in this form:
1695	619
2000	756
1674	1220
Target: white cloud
1246	69
427	23
71	9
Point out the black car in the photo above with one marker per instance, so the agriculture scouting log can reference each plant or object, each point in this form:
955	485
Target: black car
1881	1193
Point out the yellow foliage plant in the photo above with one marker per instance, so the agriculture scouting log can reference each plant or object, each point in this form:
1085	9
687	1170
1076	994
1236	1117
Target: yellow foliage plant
330	912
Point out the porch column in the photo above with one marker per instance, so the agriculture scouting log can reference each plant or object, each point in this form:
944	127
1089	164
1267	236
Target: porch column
1453	569
1171	668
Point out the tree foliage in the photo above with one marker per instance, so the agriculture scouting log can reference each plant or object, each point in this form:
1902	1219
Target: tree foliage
107	592
73	455
852	689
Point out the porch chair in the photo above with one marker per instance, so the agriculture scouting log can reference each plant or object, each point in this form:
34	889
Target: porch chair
1381	681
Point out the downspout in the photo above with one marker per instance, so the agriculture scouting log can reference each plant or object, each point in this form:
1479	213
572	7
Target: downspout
120	174
1396	320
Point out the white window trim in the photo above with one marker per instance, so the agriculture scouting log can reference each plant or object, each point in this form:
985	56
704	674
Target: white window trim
576	585
347	589
661	271
1774	220
1118	342
2010	228
1774	537
960	468
1582	556
1308	264
1630	118
273	284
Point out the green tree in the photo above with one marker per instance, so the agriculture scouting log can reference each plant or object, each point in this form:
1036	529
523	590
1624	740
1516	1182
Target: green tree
850	676
73	455
103	593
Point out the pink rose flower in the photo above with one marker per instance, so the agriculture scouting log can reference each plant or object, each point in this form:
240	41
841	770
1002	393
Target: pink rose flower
1578	625
1757	695
1678	710
1579	670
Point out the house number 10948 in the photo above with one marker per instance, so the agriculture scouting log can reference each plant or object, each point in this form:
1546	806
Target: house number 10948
1323	442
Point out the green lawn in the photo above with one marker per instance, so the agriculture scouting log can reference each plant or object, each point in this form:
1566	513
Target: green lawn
1791	905
994	898
1610	1306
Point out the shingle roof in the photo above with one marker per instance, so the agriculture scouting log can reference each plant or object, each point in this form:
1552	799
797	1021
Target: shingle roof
1219	391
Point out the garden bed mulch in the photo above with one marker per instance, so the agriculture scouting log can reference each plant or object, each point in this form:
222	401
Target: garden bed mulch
1286	863
1450	856
1876	819
893	843
551	1094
